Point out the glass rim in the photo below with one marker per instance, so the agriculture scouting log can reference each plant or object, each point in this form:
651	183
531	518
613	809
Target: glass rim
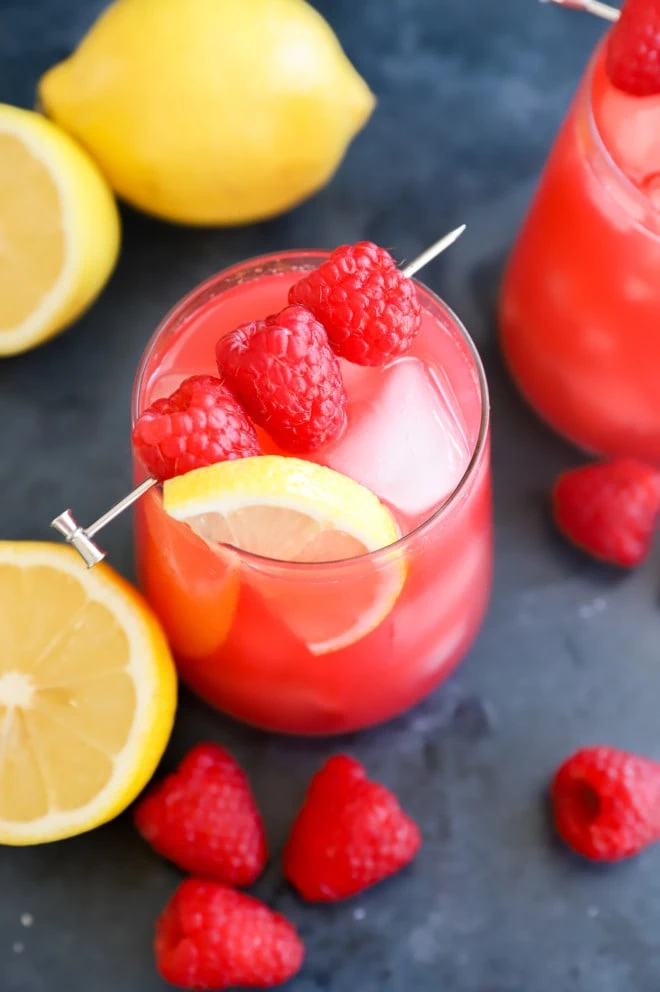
199	291
631	190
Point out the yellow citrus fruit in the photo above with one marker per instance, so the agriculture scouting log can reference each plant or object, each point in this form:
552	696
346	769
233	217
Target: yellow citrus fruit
59	230
210	111
297	511
87	693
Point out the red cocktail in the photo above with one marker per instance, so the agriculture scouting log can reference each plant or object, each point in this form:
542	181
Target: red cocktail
324	647
580	303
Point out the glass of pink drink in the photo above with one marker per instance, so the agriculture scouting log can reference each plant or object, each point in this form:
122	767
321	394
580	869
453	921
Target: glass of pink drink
309	648
580	303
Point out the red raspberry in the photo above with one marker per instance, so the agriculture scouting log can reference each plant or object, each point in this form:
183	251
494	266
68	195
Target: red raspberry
339	774
211	937
199	424
609	509
283	372
606	803
204	818
368	307
633	49
349	834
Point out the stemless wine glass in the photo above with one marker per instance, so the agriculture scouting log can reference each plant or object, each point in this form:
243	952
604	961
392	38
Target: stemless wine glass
277	644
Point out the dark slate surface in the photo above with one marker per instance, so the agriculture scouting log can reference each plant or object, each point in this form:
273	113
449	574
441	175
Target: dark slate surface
470	95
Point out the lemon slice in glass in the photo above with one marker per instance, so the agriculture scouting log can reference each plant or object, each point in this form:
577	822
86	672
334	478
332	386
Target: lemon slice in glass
297	511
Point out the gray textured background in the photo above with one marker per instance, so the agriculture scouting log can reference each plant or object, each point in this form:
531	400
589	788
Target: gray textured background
470	94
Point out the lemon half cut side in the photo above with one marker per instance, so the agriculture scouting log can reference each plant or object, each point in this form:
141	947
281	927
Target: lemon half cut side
59	230
87	693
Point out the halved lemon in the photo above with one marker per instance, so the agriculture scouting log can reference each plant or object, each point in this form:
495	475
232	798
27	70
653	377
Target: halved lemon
297	511
87	693
59	230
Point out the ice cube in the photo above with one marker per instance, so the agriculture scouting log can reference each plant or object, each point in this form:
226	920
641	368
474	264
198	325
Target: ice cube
405	439
360	381
630	129
164	383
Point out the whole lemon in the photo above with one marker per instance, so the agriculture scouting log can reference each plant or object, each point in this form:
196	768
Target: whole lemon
210	111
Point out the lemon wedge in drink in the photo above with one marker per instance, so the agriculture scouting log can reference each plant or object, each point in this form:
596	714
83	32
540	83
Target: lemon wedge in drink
59	230
297	511
87	693
283	508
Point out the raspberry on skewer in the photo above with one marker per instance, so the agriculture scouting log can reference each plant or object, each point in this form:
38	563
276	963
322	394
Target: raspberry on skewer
633	45
368	306
81	538
285	376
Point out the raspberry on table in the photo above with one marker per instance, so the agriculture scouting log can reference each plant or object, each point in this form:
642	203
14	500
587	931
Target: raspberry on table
200	424
203	817
350	834
211	937
283	372
609	509
370	310
632	57
606	803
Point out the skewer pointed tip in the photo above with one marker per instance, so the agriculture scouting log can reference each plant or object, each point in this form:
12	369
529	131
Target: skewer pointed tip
433	251
455	234
596	7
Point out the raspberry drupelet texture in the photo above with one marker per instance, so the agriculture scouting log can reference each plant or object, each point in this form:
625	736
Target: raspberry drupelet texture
211	937
606	803
609	509
370	310
203	817
633	49
350	833
284	374
200	424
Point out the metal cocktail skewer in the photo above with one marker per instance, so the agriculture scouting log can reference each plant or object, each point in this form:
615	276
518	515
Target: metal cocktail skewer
590	7
81	537
433	251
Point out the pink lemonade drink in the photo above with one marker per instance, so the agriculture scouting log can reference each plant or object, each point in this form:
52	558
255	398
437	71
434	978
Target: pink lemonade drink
316	648
580	302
